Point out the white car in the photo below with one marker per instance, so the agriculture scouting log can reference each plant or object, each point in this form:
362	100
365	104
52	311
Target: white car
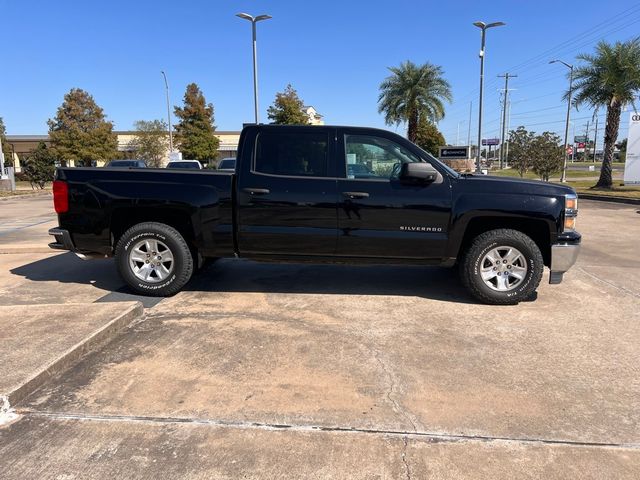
185	164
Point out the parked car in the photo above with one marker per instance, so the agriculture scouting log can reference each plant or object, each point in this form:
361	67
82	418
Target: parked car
290	199
227	165
185	164
126	164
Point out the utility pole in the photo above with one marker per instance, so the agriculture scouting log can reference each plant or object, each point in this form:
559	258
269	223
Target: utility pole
166	86
595	141
483	27
563	177
2	177
253	21
586	144
469	132
506	149
506	77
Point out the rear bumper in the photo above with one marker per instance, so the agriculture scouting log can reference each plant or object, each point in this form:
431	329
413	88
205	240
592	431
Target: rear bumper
563	257
63	240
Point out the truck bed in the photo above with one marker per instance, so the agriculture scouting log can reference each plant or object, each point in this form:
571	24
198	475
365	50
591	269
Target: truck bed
105	202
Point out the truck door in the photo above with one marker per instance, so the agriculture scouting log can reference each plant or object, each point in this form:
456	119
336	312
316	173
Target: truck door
378	216
287	192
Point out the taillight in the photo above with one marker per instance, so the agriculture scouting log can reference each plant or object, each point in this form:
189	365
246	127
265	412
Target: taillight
60	196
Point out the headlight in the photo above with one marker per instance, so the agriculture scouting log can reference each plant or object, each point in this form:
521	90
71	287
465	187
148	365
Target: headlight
570	211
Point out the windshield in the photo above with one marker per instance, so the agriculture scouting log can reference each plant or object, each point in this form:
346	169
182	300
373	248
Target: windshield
183	165
123	163
229	164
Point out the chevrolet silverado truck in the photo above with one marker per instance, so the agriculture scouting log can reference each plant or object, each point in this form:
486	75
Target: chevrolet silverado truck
320	194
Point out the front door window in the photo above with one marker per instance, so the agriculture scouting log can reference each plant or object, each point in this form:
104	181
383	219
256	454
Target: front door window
375	158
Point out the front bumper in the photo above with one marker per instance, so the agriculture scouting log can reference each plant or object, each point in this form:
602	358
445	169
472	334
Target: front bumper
563	257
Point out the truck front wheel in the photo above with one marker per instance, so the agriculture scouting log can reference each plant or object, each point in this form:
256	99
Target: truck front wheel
154	259
502	267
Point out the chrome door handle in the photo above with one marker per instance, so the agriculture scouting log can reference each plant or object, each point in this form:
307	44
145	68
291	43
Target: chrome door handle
353	195
256	191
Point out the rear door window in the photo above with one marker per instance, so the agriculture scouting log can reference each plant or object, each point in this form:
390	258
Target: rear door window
295	154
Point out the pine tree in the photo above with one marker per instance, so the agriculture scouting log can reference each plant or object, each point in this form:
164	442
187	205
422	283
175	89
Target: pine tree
80	132
287	108
39	166
195	132
151	141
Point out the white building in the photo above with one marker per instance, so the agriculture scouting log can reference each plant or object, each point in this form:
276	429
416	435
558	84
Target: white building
314	117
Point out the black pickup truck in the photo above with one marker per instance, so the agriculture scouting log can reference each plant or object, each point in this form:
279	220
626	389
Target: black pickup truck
318	194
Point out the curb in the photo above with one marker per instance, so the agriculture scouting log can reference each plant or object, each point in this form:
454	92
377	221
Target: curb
28	195
603	198
74	354
27	249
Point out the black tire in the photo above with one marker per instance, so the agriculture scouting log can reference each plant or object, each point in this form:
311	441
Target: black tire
475	259
181	266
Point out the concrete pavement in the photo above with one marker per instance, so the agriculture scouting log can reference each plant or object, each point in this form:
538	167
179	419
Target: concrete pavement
41	341
290	371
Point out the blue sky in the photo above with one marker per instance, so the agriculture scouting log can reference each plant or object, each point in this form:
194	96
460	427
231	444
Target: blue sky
334	53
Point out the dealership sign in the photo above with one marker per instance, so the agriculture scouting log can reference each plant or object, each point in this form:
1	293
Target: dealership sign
632	163
490	141
454	153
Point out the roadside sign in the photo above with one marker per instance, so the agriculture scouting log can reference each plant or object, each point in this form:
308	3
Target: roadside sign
580	139
569	150
490	141
454	153
632	162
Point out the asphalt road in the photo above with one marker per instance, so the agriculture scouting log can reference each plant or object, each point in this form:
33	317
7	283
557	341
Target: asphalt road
333	371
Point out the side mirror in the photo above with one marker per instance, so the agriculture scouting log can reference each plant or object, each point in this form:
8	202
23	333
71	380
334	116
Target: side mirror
418	173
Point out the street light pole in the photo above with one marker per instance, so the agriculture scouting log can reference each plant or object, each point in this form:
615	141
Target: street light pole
253	21
563	177
166	86
483	27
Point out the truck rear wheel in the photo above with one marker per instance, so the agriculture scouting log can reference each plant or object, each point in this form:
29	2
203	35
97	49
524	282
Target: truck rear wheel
154	259
502	267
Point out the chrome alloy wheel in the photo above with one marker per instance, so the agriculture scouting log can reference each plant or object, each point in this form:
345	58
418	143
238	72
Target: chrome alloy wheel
151	261
503	268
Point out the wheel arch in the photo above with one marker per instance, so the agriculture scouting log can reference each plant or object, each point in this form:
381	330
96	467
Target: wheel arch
536	228
125	218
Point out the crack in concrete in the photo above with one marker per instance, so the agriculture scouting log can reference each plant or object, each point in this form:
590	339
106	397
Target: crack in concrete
392	385
407	470
611	284
430	435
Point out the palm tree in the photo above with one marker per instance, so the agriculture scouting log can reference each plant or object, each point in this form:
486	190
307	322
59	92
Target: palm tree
611	78
411	92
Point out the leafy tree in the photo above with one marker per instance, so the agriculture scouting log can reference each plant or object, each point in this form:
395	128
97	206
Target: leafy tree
412	92
546	155
609	78
287	108
195	132
622	146
39	166
151	141
80	131
520	141
428	137
6	149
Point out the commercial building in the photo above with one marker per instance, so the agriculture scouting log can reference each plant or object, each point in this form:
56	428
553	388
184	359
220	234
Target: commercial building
22	145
